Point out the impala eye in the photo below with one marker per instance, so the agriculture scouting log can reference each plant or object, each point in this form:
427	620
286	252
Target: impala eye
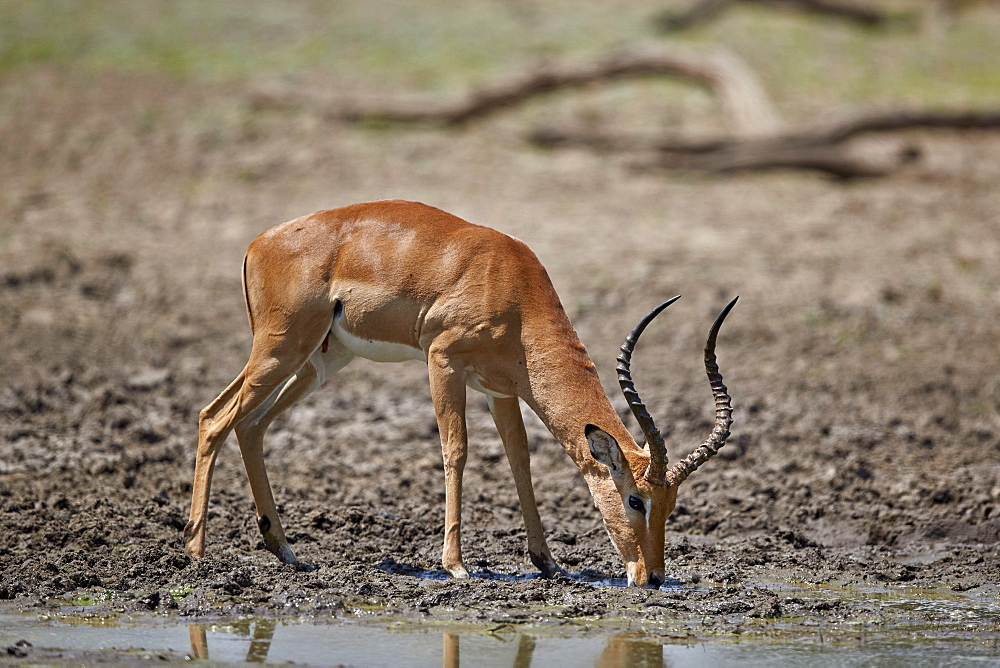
636	504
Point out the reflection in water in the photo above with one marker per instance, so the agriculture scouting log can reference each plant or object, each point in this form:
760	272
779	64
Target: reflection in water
525	650
452	652
199	641
620	650
628	650
263	631
260	638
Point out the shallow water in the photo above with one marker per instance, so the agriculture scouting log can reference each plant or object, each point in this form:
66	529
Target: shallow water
62	638
885	626
941	601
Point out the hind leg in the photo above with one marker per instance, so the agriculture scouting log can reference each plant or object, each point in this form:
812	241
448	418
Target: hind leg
274	359
212	431
250	433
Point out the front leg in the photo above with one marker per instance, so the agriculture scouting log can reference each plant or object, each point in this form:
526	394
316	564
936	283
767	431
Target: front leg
507	416
448	392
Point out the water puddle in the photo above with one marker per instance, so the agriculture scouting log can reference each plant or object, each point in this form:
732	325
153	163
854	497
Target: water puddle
967	633
393	567
273	641
970	607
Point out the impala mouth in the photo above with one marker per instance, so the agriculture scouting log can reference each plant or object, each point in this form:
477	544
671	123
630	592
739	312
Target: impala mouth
630	569
652	581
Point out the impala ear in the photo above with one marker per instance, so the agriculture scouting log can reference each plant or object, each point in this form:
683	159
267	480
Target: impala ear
605	449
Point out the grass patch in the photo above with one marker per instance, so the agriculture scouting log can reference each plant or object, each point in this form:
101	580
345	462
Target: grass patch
89	598
438	44
180	592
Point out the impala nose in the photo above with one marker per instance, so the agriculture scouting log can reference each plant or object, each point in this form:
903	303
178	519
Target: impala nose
653	582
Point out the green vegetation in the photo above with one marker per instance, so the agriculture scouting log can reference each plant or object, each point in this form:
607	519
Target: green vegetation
443	45
180	592
88	598
428	43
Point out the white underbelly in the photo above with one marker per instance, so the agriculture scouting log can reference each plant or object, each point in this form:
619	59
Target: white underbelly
386	351
377	351
475	381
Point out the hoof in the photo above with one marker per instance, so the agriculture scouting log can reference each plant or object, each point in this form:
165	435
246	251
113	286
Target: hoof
274	545
458	572
546	564
286	556
194	545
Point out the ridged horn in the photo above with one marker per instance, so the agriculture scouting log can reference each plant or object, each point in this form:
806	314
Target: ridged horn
656	472
723	410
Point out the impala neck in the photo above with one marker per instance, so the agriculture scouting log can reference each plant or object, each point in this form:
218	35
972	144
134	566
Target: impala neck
567	394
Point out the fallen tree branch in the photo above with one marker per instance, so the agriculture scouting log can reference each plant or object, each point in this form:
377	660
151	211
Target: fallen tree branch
697	14
818	148
746	106
831	159
892	121
755	142
705	10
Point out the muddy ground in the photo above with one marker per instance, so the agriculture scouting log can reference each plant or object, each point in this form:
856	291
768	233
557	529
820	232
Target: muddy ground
863	360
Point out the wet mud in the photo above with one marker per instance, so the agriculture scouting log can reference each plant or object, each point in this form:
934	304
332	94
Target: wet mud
862	360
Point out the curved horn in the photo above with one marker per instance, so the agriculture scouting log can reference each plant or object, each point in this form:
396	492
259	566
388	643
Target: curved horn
723	410
656	473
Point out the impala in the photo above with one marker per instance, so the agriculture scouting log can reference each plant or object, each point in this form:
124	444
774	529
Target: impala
395	280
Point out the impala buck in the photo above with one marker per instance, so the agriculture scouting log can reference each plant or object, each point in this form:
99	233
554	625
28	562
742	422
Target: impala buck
393	281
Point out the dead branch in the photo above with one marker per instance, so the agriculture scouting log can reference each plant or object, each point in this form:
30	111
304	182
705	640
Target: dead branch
747	108
764	155
706	10
755	142
893	121
820	148
697	14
